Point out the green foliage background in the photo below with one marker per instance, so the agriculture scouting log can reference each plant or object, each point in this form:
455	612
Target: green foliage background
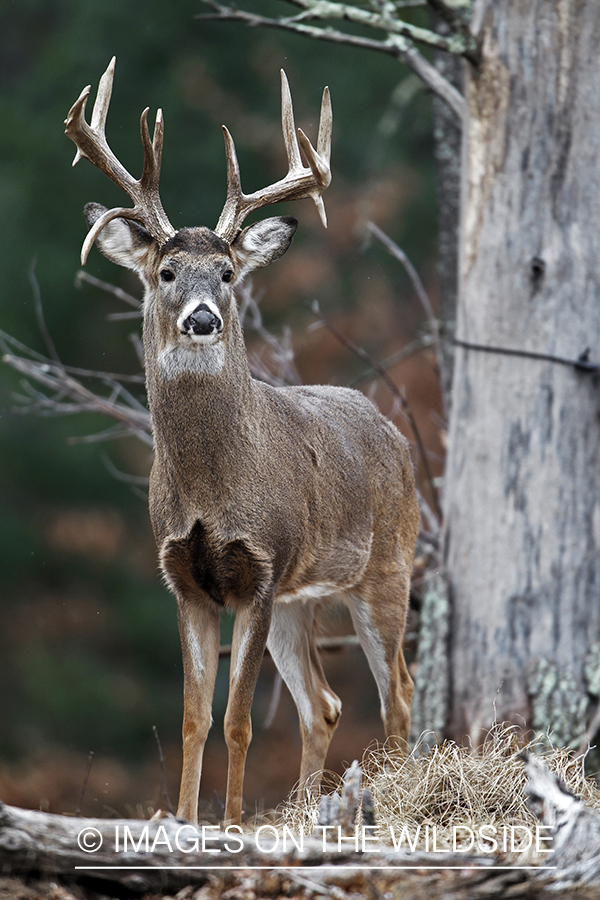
89	654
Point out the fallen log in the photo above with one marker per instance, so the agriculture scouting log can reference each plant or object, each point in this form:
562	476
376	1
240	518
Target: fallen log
130	857
169	853
575	826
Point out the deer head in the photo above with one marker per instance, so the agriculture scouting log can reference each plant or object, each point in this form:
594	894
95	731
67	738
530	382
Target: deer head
190	274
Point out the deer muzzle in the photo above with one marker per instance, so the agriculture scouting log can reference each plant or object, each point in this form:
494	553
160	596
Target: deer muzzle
202	321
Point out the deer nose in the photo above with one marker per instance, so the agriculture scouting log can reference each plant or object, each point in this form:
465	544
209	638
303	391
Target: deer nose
202	321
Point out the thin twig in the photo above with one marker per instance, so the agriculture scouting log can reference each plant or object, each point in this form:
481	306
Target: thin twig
108	288
85	781
162	768
109	434
434	325
428	518
39	312
136	480
124	316
104	376
395	44
325	644
281	347
418	344
362	354
139	348
590	733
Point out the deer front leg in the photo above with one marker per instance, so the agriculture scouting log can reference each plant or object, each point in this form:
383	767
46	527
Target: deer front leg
199	631
248	644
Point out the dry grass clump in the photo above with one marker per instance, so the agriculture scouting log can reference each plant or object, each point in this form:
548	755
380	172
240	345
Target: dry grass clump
451	785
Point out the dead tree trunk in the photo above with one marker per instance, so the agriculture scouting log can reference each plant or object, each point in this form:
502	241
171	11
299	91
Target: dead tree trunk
447	135
522	493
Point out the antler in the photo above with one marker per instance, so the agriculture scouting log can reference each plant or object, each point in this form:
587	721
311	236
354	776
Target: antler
91	143
301	181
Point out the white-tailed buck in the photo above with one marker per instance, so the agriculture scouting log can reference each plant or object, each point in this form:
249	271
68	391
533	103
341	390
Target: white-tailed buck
263	500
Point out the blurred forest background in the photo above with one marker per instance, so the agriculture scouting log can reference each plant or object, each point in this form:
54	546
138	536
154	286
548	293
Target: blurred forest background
89	649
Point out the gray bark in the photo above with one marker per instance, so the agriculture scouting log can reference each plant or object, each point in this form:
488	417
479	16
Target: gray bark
447	134
523	475
430	698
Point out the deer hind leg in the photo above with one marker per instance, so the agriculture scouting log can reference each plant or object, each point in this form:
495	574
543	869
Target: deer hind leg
199	632
379	617
292	646
248	644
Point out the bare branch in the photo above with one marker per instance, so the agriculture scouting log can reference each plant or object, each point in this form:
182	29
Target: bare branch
421	293
419	344
430	76
450	14
8	343
109	434
135	480
108	288
395	44
282	351
71	396
124	316
326	644
385	20
382	21
39	312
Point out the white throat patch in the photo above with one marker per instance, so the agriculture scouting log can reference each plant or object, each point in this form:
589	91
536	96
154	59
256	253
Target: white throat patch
192	357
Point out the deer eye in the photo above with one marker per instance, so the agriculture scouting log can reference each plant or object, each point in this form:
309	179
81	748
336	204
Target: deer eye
227	275
167	275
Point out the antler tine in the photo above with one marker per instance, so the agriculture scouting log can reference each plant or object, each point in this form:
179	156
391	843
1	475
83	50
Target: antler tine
100	110
148	169
301	180
289	126
227	225
234	184
157	140
90	141
325	127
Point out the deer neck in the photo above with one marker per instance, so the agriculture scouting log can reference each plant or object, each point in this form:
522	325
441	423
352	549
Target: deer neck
200	405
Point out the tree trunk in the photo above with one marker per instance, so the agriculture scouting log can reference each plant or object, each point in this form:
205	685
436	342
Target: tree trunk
447	135
522	493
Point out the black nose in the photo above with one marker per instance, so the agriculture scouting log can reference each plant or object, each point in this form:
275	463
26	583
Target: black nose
202	321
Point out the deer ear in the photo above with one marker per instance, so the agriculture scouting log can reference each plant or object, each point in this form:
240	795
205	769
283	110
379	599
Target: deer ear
262	243
122	241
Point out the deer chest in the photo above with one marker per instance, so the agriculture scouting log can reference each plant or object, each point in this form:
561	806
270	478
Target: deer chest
221	569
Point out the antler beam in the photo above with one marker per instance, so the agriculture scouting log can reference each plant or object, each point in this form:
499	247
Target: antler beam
301	181
91	143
